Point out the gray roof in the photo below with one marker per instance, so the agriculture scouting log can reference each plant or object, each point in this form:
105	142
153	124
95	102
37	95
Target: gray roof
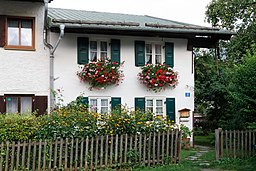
78	19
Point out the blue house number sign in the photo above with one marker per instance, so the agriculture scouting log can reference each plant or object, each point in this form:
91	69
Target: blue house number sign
187	94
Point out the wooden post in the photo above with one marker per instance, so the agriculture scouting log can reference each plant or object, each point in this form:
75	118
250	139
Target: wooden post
217	150
7	156
1	156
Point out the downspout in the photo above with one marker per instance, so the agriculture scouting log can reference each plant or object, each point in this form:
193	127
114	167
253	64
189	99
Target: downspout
52	49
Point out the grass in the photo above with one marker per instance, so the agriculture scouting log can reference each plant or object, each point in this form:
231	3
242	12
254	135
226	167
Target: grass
205	140
221	165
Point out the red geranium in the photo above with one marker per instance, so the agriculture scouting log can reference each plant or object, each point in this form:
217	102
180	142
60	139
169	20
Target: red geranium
158	77
102	73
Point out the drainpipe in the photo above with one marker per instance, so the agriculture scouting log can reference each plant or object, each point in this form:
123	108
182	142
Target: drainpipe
52	49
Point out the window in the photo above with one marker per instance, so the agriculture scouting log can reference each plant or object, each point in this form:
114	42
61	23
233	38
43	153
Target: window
155	105
153	54
98	50
18	104
99	104
20	33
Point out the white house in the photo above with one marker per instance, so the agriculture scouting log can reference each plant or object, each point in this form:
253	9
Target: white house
28	71
137	40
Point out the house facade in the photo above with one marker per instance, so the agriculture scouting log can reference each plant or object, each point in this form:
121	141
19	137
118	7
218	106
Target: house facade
29	71
136	40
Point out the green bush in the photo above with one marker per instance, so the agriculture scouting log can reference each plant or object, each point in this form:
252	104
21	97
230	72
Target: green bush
74	120
16	127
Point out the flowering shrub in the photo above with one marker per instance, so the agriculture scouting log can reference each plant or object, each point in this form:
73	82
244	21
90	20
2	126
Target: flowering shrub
158	77
102	73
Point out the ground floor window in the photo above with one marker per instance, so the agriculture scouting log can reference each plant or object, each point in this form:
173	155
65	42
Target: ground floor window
18	104
100	104
155	105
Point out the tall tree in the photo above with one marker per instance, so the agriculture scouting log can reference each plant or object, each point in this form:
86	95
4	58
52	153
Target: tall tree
238	16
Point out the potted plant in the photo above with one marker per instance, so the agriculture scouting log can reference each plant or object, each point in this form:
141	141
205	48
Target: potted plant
186	134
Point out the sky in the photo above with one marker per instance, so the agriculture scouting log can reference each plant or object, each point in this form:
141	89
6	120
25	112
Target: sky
189	11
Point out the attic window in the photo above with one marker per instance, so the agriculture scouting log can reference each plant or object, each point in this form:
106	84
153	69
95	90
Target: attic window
20	33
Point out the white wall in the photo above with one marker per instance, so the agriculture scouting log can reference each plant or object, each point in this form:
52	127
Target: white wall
66	68
25	72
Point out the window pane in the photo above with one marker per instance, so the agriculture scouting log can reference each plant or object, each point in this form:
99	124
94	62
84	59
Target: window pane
148	59
103	55
93	51
104	102
149	102
26	104
13	32
158	49
148	48
93	105
12	105
104	110
103	46
159	110
26	33
149	109
159	102
158	59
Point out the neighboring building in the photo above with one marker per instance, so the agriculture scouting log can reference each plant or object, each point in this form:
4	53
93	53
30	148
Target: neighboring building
24	60
25	70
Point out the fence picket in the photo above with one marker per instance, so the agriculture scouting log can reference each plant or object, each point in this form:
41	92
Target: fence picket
149	147
154	148
60	154
116	149
18	156
130	147
176	146
125	148
71	154
34	157
242	143
158	147
140	139
12	158
111	151
81	153
1	156
144	148
86	153
121	150
92	142
66	155
222	142
7	156
96	153
39	155
106	152
250	143
101	152
76	154
55	153
167	142
234	137
50	157
163	142
135	148
44	159
172	146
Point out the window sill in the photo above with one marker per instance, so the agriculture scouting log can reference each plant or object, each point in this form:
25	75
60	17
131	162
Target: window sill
22	48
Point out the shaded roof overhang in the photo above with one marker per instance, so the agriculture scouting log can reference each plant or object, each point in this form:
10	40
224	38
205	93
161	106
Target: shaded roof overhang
30	0
204	37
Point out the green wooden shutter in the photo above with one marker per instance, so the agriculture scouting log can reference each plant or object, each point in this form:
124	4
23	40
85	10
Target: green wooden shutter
115	50
169	54
115	103
170	108
139	53
82	50
85	100
140	104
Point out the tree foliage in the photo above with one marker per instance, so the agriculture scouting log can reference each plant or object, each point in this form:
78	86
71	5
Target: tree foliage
238	16
225	88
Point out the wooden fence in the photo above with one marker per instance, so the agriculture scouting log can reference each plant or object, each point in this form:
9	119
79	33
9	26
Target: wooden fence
234	144
92	152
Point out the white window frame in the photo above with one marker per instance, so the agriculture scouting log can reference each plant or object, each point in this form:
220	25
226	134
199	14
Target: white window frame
153	44
154	104
99	48
99	103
